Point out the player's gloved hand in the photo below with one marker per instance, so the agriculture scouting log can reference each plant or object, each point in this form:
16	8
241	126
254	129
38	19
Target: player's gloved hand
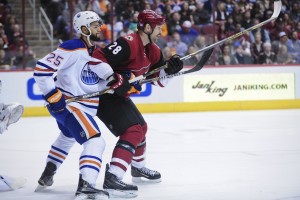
56	101
119	83
135	86
174	65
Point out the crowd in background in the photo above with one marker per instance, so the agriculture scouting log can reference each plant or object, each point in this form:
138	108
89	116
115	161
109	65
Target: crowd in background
12	42
190	26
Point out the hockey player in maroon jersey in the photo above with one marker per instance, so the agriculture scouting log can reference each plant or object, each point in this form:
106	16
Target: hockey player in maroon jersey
133	55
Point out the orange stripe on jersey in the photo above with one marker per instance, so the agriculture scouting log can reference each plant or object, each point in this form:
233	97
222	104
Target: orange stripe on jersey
58	155
91	130
90	161
43	70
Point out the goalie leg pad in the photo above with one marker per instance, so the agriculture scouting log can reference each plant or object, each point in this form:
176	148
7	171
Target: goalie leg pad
16	110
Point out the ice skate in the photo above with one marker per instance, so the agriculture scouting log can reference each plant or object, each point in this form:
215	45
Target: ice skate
46	179
145	175
87	191
117	188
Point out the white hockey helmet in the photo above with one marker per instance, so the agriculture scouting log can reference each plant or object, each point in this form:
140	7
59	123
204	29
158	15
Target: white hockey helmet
85	18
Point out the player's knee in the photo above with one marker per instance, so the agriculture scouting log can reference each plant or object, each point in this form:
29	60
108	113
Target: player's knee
145	128
133	135
95	145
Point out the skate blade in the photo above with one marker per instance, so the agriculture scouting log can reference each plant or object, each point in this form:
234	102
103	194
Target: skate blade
91	197
121	193
40	188
142	180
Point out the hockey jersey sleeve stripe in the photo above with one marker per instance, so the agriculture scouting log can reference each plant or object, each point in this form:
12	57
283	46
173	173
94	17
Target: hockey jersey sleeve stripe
46	66
42	74
42	70
89	106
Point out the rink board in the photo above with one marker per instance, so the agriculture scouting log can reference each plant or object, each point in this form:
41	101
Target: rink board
211	89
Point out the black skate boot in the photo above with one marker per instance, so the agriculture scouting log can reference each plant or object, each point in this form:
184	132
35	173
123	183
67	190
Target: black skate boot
140	174
117	188
86	191
46	179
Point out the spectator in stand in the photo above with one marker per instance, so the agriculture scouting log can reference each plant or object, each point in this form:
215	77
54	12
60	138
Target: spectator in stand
125	30
4	44
176	44
237	14
167	53
185	12
30	60
247	20
222	32
173	23
241	56
8	28
267	56
297	28
230	25
295	12
194	59
283	40
176	6
187	33
265	37
226	58
4	60
283	57
220	13
256	48
293	46
201	16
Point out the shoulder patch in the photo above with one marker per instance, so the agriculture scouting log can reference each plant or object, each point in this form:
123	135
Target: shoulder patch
128	37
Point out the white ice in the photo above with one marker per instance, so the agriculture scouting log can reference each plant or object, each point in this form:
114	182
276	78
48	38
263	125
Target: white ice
240	155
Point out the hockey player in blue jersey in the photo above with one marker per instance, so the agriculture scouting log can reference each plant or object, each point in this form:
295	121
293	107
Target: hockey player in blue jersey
66	72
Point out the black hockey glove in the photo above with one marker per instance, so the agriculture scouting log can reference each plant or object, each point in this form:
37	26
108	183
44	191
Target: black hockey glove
56	101
119	83
174	65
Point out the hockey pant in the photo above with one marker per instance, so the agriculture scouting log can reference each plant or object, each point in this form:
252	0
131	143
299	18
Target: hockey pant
123	119
79	126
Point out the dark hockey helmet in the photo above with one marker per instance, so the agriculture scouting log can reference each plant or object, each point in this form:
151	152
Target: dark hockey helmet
149	17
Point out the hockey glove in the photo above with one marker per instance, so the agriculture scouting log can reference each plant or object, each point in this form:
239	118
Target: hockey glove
135	86
174	65
119	83
56	101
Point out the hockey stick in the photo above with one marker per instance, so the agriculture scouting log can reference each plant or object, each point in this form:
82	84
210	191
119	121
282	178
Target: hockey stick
206	55
197	67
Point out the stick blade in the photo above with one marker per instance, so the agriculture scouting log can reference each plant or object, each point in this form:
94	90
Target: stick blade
206	55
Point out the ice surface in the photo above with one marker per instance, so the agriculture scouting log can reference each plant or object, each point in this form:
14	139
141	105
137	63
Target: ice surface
241	155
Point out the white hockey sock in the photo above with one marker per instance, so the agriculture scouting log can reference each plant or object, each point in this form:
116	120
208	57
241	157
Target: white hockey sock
91	159
60	149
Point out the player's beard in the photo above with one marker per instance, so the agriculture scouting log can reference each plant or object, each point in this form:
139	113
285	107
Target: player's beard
94	37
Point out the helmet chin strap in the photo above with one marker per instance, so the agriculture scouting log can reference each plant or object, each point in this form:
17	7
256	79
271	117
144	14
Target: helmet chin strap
88	36
149	35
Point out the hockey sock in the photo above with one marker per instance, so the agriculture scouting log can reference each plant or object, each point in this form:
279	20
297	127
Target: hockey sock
139	158
91	159
125	149
60	149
